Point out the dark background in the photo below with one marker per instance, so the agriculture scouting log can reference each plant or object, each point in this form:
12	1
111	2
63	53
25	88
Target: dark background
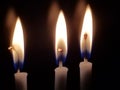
39	44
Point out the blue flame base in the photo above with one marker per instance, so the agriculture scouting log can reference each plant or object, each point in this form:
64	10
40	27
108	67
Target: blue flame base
18	66
60	58
85	54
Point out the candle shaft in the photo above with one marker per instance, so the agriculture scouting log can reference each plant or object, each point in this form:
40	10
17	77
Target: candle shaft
85	75
21	80
60	77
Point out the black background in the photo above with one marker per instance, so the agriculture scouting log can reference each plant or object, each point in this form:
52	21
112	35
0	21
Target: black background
39	44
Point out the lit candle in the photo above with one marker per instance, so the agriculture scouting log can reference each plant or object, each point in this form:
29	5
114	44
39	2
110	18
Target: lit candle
17	49
86	46
61	52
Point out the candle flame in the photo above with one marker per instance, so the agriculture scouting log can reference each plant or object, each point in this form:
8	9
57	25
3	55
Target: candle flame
18	43
61	37
86	34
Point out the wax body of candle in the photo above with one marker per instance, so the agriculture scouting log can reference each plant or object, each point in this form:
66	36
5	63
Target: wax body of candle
21	80
60	77
85	74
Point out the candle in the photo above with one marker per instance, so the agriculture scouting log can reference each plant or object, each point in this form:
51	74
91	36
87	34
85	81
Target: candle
17	49
86	46
85	74
60	77
61	52
21	80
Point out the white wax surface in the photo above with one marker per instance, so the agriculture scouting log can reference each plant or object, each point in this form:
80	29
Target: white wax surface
85	73
60	78
21	80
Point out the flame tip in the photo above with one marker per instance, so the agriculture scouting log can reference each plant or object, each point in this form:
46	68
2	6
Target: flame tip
61	13
88	5
88	8
61	10
18	17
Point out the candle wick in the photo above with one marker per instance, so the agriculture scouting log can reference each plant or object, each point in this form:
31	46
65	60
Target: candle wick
10	48
60	63
18	71
85	36
60	50
85	60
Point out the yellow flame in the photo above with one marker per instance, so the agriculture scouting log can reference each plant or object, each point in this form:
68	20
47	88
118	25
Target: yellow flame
61	36
18	42
86	34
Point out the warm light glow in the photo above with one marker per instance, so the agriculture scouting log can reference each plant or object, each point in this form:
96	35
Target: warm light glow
86	34
18	42
61	36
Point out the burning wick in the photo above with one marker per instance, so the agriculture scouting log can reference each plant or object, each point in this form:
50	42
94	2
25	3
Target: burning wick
85	36
60	61
10	48
60	50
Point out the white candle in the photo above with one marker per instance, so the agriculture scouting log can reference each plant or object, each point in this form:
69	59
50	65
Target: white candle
60	77
61	52
17	49
85	74
86	45
21	80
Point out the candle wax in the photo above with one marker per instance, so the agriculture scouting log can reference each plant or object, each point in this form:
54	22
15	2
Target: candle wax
21	80
60	78
85	74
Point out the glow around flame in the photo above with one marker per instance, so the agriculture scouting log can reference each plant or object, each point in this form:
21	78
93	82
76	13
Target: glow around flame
61	37
86	34
18	43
